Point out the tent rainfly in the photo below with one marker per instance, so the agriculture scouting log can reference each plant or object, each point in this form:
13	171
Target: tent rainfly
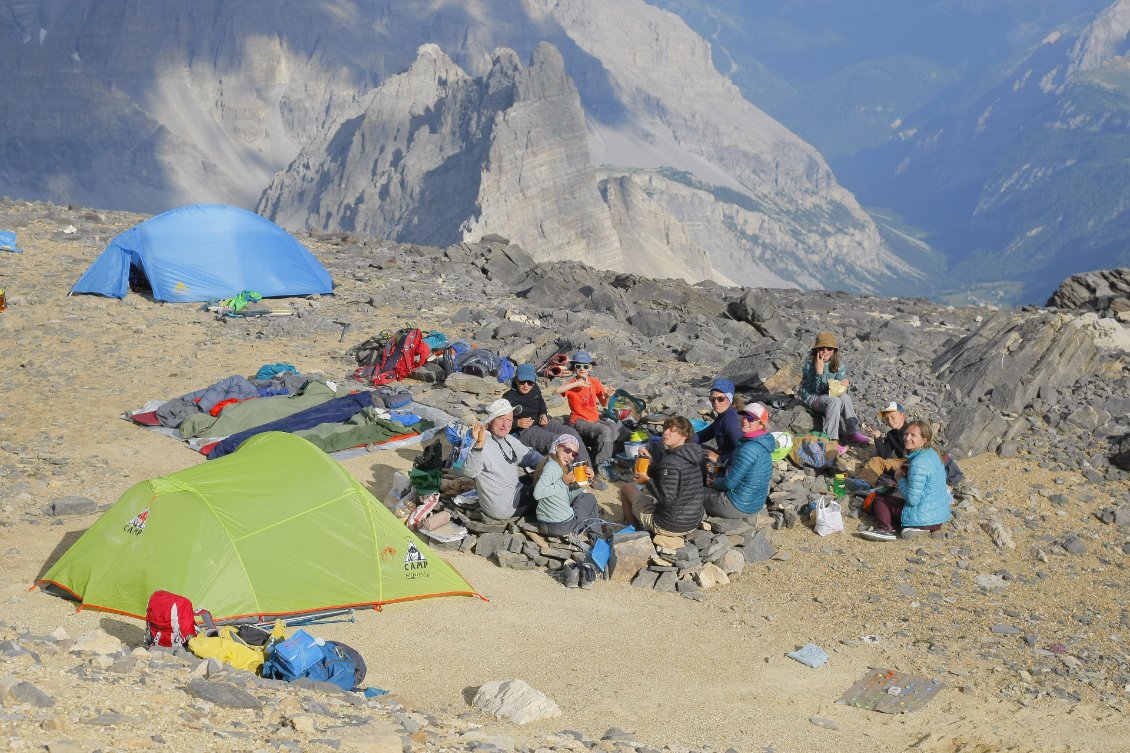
204	252
277	528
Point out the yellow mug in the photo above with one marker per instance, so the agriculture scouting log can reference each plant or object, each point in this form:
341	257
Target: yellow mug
642	464
581	473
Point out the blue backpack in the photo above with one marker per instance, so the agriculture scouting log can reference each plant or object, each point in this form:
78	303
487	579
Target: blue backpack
300	657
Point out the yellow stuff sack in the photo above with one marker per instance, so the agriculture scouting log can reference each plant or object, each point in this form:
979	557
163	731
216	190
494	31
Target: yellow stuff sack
229	649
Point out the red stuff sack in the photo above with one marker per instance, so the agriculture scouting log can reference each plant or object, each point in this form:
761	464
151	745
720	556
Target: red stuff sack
169	620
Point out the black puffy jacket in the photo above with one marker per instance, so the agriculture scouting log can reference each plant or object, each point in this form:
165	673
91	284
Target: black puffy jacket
678	483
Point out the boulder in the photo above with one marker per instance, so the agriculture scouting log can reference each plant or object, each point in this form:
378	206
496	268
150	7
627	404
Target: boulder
516	701
630	553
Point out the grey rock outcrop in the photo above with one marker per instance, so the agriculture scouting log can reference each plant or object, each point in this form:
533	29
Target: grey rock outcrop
1106	292
997	371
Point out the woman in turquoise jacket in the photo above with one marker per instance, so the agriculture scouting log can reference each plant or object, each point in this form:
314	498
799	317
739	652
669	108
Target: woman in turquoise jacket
742	491
926	500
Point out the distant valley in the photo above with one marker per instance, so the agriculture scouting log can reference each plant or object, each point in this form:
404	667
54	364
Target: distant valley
986	161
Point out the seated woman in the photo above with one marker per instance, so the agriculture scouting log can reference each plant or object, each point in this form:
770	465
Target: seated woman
587	395
725	429
823	365
890	451
561	509
532	425
668	499
925	500
742	491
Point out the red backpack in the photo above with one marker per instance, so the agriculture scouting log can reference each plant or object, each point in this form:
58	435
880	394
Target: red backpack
169	619
405	352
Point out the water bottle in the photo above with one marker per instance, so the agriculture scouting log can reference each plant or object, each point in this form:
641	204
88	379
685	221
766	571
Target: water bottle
839	487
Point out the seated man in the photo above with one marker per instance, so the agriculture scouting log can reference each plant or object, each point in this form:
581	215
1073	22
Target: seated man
742	491
670	501
891	448
533	426
726	429
494	461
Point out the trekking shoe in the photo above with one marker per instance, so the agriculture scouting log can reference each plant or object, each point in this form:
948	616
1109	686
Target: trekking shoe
604	472
571	575
877	534
909	533
588	575
857	437
598	483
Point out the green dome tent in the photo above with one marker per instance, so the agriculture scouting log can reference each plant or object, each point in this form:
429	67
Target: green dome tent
277	528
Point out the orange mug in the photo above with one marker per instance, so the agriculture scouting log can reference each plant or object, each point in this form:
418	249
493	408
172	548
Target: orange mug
642	464
581	473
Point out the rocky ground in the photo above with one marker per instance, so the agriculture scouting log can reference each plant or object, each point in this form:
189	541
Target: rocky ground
1019	608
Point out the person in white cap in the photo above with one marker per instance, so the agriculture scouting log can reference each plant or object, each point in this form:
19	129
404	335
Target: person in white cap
891	452
495	460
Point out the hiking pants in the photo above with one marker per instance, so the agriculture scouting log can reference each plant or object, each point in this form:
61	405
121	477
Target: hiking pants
585	511
877	466
836	410
888	511
541	437
600	438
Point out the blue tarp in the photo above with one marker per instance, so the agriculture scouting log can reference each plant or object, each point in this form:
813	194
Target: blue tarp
8	242
204	252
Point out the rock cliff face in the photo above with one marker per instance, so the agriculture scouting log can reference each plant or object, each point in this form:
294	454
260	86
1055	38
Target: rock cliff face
146	107
438	156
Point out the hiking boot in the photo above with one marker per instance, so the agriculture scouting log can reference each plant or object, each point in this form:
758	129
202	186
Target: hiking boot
877	534
588	575
571	575
604	472
909	533
857	437
598	483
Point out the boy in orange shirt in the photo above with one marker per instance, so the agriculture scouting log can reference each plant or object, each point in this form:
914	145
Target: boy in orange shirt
586	396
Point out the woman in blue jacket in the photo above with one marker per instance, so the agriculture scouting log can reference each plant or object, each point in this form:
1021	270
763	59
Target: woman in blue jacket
741	492
926	500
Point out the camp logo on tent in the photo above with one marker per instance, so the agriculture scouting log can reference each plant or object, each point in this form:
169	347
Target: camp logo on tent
136	526
415	563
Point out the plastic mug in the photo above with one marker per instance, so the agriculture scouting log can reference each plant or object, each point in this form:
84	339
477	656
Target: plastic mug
581	473
642	464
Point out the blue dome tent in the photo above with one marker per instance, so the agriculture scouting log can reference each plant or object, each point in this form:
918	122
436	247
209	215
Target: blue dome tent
203	252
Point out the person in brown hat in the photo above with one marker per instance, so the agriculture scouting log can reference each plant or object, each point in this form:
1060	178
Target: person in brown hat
823	388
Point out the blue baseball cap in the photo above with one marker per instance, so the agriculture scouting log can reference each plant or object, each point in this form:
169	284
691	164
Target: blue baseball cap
581	356
725	386
526	373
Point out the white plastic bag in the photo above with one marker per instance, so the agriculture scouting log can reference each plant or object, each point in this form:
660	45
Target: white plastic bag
829	518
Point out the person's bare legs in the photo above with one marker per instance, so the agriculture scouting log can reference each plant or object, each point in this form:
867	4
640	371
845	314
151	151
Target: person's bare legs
629	493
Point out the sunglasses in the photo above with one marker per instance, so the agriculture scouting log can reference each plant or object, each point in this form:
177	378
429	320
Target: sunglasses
582	366
525	383
718	399
569	450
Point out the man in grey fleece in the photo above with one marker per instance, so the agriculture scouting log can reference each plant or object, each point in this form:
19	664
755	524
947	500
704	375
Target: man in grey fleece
494	461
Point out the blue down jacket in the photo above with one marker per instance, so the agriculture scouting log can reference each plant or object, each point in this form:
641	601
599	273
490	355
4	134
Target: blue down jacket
924	488
746	482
